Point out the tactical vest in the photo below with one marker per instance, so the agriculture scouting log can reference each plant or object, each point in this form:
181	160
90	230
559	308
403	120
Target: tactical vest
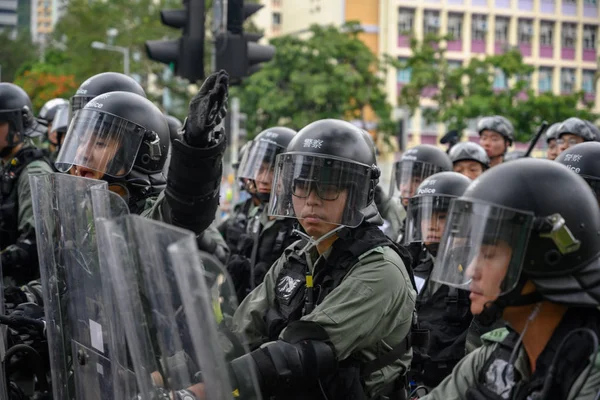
499	380
9	193
446	315
293	298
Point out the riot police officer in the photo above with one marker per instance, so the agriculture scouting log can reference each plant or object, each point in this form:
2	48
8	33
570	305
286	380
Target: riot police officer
123	138
584	159
442	310
530	254
333	314
46	117
20	158
496	135
469	159
573	131
415	165
391	211
551	138
264	237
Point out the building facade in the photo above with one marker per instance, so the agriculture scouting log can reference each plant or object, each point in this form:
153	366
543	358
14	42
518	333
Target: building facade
559	38
44	15
9	17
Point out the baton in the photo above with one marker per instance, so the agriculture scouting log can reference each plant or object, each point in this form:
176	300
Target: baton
539	133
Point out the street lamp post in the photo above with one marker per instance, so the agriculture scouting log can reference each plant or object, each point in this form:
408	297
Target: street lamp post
119	49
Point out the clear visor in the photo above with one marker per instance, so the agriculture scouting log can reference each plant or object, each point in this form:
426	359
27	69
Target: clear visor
483	248
60	124
426	219
259	162
408	175
319	190
78	102
100	142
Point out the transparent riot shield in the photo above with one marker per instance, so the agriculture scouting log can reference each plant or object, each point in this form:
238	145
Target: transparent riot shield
86	351
3	344
172	334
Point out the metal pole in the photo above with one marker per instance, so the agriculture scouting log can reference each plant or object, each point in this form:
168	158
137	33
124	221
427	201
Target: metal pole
126	60
0	73
235	137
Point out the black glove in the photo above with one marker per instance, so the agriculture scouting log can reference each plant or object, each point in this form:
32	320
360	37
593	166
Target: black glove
207	110
12	257
239	270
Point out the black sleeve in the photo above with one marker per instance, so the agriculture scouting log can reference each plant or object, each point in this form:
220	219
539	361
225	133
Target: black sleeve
20	261
193	183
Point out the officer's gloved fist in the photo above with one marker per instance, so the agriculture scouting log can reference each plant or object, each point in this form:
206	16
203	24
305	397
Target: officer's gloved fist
12	257
31	326
207	110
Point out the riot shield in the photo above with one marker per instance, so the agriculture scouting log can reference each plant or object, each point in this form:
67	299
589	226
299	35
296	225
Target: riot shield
3	337
172	334
86	350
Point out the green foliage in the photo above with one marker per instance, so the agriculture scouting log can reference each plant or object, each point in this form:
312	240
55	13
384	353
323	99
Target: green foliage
467	92
331	74
16	52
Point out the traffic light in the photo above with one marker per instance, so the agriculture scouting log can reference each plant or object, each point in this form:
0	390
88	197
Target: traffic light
237	52
187	52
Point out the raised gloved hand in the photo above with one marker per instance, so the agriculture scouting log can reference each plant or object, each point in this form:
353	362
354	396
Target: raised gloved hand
206	112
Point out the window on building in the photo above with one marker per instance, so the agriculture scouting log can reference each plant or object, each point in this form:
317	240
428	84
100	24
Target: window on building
479	27
501	29
525	78
455	24
499	79
276	18
588	84
568	34
567	80
404	74
545	79
406	19
589	37
431	22
569	1
546	33
452	65
525	30
592	2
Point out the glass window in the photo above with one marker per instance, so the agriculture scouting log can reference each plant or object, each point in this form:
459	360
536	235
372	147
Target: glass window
479	27
567	80
545	79
406	18
588	84
525	31
276	18
568	35
499	79
501	29
404	74
431	22
546	33
455	23
589	37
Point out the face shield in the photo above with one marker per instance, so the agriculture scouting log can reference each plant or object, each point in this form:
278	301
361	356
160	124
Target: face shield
258	165
60	124
79	101
407	175
426	220
100	142
483	248
320	189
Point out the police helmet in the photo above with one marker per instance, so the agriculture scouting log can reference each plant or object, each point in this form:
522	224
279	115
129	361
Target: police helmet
469	151
48	111
174	126
514	155
577	127
551	132
104	83
584	159
327	159
258	164
415	165
16	109
115	133
430	204
513	218
498	124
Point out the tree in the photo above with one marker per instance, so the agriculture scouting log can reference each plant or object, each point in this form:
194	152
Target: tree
16	51
44	82
467	92
331	74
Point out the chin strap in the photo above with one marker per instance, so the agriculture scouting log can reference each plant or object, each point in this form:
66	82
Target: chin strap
312	243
